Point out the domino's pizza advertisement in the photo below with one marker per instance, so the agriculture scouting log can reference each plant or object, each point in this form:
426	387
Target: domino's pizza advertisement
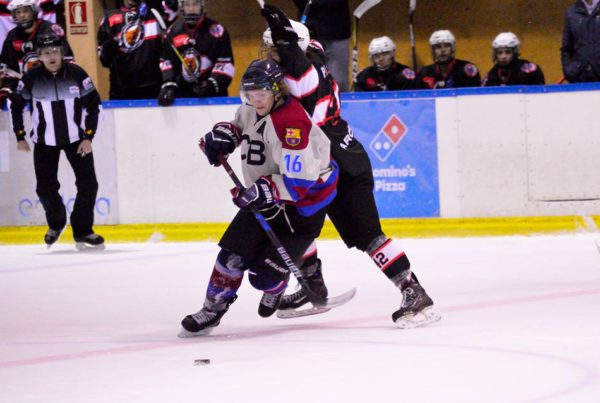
400	137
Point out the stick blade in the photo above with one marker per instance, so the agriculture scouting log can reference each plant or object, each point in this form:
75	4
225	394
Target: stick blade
364	7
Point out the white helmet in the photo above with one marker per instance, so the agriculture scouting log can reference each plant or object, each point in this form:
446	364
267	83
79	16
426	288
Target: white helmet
381	45
301	31
507	40
442	36
15	4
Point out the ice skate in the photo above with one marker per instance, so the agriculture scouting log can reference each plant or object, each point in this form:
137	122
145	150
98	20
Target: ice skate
91	241
417	308
205	320
52	236
269	303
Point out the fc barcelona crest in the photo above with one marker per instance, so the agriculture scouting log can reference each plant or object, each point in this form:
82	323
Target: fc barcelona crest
292	136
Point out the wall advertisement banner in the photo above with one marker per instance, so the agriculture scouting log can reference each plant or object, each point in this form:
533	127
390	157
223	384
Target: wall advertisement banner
400	137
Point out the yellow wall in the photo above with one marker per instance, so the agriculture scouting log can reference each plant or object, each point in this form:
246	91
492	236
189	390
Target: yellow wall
538	23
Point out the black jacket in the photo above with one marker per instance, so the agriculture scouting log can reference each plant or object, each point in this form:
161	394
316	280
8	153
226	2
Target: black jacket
580	51
330	19
519	72
130	45
461	74
206	48
397	77
19	50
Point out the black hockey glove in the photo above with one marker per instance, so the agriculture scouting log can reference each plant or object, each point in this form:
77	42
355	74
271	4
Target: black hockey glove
167	92
221	140
280	25
205	88
262	194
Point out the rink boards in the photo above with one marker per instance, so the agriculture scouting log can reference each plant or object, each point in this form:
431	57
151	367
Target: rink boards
493	153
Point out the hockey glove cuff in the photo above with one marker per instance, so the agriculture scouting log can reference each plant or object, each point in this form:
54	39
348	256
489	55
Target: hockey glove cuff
262	194
221	140
167	92
280	25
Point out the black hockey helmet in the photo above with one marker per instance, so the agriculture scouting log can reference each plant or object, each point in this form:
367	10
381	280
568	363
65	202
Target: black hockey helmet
262	74
50	40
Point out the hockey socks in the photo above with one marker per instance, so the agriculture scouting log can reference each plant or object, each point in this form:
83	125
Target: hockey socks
391	259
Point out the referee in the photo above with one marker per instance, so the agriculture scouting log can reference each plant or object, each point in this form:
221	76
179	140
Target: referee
64	108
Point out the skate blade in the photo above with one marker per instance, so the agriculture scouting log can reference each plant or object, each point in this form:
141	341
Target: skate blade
298	313
426	317
185	334
338	300
82	246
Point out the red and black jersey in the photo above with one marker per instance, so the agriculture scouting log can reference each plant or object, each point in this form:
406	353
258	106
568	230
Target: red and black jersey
206	50
460	73
313	85
519	72
133	56
19	51
396	77
47	11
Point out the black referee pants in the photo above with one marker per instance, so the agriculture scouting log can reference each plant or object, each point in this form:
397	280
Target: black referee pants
45	161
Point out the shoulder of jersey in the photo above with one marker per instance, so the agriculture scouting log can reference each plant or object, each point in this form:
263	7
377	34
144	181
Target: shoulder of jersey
529	67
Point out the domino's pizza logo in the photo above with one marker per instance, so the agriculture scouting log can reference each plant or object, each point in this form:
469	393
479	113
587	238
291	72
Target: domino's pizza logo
388	137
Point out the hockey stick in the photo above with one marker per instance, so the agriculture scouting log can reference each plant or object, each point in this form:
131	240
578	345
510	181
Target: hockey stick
305	12
358	13
163	26
316	300
412	5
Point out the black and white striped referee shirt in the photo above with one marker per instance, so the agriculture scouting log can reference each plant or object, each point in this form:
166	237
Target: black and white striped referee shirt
57	103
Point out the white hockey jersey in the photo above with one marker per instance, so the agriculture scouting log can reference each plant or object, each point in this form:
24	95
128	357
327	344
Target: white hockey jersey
289	149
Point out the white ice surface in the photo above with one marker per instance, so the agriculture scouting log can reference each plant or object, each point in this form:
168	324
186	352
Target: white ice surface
521	323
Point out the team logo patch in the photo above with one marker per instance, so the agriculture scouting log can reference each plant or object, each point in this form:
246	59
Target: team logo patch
57	30
87	84
74	90
292	136
165	65
409	74
471	70
529	68
216	30
192	60
132	36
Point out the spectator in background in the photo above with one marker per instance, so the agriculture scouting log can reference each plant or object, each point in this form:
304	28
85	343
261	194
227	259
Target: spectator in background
330	22
202	65
447	71
130	45
49	10
386	74
580	51
509	68
19	51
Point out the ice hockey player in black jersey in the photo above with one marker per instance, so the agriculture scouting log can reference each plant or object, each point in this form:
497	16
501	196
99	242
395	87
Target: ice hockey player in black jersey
19	51
129	44
386	74
353	211
447	71
509	68
202	65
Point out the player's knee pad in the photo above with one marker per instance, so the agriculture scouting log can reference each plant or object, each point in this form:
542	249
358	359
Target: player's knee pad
230	264
389	257
226	278
268	276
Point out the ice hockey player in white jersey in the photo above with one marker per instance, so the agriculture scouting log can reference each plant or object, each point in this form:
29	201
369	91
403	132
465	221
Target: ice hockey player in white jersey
289	177
353	212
